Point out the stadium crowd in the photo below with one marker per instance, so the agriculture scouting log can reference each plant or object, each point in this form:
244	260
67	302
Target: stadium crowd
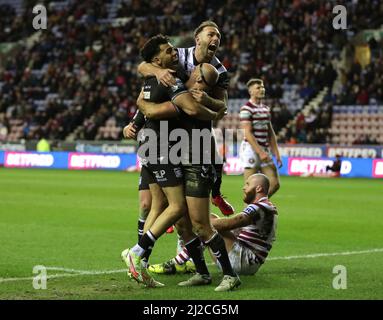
363	86
79	78
310	128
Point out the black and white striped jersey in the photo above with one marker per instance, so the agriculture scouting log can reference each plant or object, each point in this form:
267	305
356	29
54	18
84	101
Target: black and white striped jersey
188	61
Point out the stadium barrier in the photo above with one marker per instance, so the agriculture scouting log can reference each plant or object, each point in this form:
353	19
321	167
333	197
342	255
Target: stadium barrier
68	160
304	166
130	146
321	150
292	166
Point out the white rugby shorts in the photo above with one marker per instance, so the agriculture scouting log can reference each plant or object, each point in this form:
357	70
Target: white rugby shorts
250	159
242	259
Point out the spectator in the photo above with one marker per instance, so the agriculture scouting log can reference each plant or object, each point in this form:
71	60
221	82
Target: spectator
43	145
88	62
336	166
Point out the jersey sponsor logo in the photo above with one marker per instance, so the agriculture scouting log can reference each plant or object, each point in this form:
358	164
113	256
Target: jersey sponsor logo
178	172
174	88
205	172
147	95
177	86
249	210
160	175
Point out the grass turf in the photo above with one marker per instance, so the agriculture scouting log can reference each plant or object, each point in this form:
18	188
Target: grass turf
83	219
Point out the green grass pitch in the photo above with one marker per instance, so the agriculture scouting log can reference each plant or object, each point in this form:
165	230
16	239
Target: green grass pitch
82	220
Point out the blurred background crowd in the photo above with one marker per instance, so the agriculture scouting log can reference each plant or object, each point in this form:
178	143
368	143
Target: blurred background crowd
77	79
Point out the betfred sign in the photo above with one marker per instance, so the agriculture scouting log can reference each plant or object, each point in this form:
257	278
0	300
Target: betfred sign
93	161
354	152
377	168
303	166
28	160
312	151
233	165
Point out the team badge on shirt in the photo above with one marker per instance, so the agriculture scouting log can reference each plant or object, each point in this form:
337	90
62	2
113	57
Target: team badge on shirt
147	95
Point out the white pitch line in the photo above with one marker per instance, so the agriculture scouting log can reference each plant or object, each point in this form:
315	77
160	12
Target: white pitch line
66	270
317	255
76	273
66	275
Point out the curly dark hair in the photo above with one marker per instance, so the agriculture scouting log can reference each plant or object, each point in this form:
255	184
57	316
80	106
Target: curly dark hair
152	47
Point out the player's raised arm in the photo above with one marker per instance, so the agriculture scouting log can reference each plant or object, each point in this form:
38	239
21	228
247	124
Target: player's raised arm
165	76
220	98
205	78
220	90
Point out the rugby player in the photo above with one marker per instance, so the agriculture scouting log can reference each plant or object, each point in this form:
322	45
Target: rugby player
207	39
165	179
259	140
198	177
145	198
249	235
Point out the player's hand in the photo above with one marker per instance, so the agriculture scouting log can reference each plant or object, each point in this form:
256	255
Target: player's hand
264	156
199	95
166	77
129	131
279	162
221	113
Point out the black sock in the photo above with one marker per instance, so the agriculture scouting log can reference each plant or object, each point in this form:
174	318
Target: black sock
145	257
216	189
196	253
217	245
141	224
146	243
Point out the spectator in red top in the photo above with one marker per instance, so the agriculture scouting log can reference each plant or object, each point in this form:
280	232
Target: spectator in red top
362	97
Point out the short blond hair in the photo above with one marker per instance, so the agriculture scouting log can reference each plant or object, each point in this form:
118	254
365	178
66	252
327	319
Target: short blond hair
254	81
207	23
